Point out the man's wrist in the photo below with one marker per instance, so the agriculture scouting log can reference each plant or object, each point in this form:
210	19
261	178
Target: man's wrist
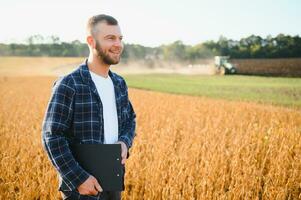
125	141
122	142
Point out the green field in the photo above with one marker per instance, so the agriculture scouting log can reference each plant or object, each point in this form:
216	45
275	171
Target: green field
271	90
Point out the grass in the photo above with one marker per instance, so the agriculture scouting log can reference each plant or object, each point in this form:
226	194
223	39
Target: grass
271	90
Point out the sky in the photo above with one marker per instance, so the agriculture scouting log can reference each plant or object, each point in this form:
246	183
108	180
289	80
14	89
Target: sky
151	23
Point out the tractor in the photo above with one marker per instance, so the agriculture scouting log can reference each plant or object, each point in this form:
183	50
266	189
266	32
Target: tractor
223	66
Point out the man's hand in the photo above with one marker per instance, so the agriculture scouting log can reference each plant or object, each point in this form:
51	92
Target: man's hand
89	187
124	151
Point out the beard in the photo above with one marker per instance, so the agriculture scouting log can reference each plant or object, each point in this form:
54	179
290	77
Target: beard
105	56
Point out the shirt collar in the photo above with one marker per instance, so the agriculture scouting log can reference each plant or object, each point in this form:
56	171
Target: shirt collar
86	76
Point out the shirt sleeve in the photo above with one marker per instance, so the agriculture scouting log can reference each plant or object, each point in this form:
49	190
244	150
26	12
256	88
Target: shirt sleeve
55	127
129	132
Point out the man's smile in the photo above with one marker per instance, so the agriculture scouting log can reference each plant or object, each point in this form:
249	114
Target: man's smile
115	52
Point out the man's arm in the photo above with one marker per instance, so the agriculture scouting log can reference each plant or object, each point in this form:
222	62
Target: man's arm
128	134
56	124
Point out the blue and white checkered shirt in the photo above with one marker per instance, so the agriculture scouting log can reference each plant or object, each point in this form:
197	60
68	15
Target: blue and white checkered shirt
74	115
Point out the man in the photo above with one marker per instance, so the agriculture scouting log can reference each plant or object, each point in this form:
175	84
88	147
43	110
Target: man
89	105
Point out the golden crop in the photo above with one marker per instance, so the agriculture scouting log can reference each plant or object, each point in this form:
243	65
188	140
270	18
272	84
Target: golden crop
185	148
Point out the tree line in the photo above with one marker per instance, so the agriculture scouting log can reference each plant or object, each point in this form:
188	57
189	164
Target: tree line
280	46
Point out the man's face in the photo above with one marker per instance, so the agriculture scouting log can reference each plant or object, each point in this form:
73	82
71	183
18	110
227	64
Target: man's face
108	43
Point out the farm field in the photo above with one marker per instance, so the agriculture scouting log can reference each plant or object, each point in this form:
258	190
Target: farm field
186	147
198	137
276	67
281	91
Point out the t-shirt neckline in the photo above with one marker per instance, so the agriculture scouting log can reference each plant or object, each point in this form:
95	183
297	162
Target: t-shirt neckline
99	76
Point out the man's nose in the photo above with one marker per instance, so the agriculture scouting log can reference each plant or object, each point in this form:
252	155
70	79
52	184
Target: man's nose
118	43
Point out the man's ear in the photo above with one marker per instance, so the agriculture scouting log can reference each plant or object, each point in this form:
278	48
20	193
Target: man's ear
91	42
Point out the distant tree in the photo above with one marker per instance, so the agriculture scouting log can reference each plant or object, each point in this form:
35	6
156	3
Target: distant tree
281	46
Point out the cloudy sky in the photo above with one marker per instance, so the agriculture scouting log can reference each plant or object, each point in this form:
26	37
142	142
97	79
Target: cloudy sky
154	22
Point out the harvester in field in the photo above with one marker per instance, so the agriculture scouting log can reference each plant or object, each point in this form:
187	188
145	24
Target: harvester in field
223	66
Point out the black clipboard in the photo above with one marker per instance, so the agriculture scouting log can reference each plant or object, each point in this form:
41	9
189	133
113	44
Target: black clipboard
103	161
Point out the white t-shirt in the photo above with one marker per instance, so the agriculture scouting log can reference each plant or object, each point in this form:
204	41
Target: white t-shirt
105	89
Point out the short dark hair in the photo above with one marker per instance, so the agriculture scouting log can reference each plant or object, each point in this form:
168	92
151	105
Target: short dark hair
94	20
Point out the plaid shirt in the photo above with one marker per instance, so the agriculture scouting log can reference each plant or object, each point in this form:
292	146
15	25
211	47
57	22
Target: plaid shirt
74	115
